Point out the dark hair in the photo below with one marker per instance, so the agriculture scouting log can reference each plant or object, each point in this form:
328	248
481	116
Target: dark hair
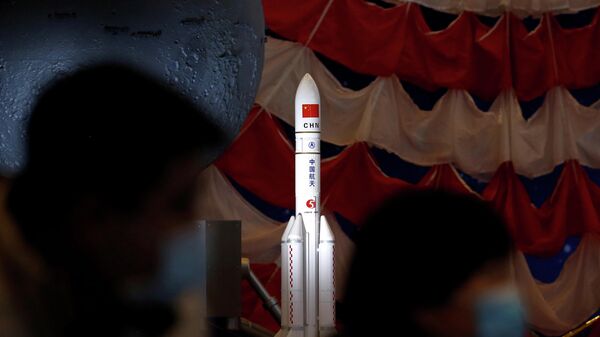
414	252
108	132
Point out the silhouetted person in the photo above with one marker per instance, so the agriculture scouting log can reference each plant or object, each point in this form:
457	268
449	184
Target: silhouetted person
431	263
108	189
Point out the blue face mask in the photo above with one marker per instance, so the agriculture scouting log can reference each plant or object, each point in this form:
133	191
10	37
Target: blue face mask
499	314
181	269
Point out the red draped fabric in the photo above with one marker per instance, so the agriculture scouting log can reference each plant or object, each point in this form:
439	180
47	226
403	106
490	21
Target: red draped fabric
353	185
466	55
509	197
571	210
261	160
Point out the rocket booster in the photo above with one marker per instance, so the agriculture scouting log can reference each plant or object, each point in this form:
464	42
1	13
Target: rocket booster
318	307
326	280
292	278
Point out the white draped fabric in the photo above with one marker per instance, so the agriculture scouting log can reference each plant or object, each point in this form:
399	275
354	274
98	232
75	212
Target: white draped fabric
553	308
557	307
455	131
497	7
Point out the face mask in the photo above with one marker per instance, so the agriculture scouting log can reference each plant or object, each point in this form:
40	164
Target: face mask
181	269
499	314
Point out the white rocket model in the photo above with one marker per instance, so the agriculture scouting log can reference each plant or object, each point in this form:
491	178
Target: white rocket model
307	245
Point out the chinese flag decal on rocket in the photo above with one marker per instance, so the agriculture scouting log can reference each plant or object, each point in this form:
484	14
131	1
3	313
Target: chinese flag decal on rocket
310	110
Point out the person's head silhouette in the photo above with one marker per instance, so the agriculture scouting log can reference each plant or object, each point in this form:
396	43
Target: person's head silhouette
432	263
113	161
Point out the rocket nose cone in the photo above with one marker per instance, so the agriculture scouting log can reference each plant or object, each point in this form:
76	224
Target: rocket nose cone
307	90
288	228
296	232
307	77
325	233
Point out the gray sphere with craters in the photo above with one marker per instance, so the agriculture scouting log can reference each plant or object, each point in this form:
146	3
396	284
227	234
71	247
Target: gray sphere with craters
212	51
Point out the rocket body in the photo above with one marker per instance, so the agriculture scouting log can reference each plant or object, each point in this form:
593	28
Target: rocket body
308	206
308	187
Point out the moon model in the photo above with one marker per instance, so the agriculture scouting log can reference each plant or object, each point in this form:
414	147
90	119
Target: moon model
212	51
